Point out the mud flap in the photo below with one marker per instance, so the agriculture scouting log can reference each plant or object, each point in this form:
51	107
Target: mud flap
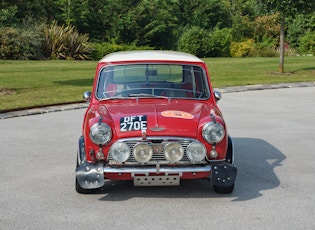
223	174
90	176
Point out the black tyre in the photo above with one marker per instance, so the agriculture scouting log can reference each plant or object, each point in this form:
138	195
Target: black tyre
223	189
229	159
229	152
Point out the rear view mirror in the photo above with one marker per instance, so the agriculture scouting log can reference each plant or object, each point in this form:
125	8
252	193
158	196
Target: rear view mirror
87	96
217	95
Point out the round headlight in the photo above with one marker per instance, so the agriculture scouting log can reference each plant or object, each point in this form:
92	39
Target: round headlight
142	152
100	134
196	152
173	152
213	132
120	152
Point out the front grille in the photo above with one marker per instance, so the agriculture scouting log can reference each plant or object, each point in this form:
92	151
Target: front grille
158	145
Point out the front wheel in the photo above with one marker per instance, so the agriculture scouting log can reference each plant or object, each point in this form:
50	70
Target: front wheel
223	189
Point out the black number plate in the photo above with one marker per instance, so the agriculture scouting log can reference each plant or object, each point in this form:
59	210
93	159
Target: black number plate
133	123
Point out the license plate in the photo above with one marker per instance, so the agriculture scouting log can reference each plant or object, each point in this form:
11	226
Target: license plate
132	123
156	180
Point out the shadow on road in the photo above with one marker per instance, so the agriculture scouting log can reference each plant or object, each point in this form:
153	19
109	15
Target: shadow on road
256	160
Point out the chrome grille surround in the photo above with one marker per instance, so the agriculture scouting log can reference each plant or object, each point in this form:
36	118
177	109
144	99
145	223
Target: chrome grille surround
158	145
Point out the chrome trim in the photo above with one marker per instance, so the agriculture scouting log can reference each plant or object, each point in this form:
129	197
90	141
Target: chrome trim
211	124
161	138
159	169
161	162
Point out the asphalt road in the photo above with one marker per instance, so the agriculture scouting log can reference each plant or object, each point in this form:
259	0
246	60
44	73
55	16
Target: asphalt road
273	133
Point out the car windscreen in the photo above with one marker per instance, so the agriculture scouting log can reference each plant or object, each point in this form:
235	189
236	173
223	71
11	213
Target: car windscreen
148	80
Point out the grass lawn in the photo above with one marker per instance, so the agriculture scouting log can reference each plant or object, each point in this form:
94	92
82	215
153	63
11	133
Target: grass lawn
36	83
252	71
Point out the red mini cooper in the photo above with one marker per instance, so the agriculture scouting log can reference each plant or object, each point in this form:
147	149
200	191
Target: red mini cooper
153	119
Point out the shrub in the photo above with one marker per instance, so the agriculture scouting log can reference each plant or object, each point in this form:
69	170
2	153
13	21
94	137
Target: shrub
298	27
194	40
242	49
204	43
65	42
219	43
266	26
77	47
307	43
249	48
266	48
99	50
263	51
20	44
10	43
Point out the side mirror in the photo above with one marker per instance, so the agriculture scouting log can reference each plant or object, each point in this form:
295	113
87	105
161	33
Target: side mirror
217	95
87	96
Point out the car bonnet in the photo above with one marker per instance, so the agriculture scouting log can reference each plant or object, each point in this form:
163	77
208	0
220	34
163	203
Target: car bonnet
174	119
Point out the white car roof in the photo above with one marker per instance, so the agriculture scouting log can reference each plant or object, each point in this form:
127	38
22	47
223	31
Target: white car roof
150	55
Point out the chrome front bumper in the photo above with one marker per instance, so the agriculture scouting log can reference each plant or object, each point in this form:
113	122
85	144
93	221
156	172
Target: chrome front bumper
158	169
91	176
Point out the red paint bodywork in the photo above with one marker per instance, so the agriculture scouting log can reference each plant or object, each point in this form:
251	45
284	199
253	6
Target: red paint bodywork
112	110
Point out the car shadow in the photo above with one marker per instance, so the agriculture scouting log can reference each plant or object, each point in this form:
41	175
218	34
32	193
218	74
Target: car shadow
255	159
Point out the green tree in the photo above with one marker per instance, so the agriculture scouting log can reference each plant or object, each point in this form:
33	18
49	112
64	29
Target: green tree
266	27
7	14
155	24
107	20
297	27
40	10
286	8
73	12
206	14
242	14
